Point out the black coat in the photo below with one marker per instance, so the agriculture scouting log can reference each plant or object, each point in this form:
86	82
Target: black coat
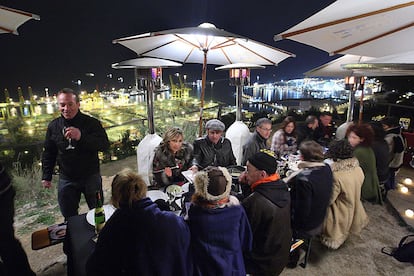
142	240
268	210
311	192
208	154
81	161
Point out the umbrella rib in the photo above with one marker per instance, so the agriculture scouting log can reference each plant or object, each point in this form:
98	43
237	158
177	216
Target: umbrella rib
186	41
225	43
155	48
371	39
6	30
339	21
259	55
20	12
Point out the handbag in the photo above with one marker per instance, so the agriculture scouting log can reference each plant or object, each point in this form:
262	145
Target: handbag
404	252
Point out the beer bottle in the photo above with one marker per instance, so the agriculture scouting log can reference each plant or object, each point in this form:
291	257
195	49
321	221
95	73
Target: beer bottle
99	213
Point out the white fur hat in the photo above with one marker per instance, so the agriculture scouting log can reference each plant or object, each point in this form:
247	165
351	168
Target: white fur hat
213	183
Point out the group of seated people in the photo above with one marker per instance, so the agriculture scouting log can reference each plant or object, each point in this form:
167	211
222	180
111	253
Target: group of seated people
221	234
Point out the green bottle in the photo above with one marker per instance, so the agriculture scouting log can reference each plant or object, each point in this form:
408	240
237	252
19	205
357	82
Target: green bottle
99	213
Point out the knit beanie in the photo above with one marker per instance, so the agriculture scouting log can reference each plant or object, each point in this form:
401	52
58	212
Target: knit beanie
264	160
215	124
213	183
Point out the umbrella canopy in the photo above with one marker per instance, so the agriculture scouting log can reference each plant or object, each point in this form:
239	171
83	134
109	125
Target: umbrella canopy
366	28
204	44
359	66
334	68
11	19
393	65
145	63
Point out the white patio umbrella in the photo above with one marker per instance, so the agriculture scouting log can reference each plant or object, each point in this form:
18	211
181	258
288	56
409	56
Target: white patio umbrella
362	66
335	67
11	19
373	28
145	149
401	64
359	66
204	44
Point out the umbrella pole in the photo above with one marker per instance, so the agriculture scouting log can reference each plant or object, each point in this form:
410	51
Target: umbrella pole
239	92
203	89
361	106
150	102
349	117
136	78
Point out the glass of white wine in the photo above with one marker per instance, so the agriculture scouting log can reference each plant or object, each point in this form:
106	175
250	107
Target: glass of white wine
69	147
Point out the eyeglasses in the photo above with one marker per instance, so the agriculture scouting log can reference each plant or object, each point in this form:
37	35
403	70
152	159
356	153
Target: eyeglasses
265	129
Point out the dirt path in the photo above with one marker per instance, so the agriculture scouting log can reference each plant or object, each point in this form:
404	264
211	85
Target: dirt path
360	255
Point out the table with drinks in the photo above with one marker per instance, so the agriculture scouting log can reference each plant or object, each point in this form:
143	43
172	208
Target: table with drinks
81	229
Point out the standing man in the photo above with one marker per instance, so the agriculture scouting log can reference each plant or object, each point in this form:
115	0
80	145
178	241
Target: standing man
325	132
268	211
258	140
213	149
307	131
73	141
13	258
396	147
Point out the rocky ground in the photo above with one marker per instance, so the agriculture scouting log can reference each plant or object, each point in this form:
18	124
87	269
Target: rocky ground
360	255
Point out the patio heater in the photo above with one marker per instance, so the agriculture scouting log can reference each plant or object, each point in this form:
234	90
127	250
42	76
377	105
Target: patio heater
239	76
148	75
149	80
352	84
238	133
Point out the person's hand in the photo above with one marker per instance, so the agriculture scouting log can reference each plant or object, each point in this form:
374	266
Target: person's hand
194	168
168	171
243	178
47	184
73	133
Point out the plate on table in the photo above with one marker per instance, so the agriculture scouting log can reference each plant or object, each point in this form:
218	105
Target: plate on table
157	194
109	210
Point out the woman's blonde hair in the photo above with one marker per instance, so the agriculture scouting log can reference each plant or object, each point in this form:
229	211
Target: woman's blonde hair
127	187
170	134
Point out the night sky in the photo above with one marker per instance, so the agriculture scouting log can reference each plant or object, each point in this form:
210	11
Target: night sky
75	37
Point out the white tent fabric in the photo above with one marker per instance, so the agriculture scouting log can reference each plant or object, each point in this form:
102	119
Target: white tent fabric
360	66
11	19
145	156
238	134
334	68
366	28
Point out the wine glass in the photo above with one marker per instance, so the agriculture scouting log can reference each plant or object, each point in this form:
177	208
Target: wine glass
69	147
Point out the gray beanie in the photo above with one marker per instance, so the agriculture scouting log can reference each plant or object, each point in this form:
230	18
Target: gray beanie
215	124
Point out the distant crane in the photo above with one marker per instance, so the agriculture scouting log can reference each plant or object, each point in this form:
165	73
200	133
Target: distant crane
179	91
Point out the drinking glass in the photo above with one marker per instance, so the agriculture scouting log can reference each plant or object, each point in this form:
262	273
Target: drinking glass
69	147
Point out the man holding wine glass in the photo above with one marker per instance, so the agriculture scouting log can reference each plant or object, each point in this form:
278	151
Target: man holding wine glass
73	141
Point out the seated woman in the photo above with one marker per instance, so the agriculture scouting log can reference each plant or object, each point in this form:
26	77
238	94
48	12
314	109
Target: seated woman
345	213
139	238
360	136
220	230
284	139
171	157
311	190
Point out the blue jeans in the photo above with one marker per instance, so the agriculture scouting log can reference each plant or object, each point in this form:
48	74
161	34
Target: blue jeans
69	193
